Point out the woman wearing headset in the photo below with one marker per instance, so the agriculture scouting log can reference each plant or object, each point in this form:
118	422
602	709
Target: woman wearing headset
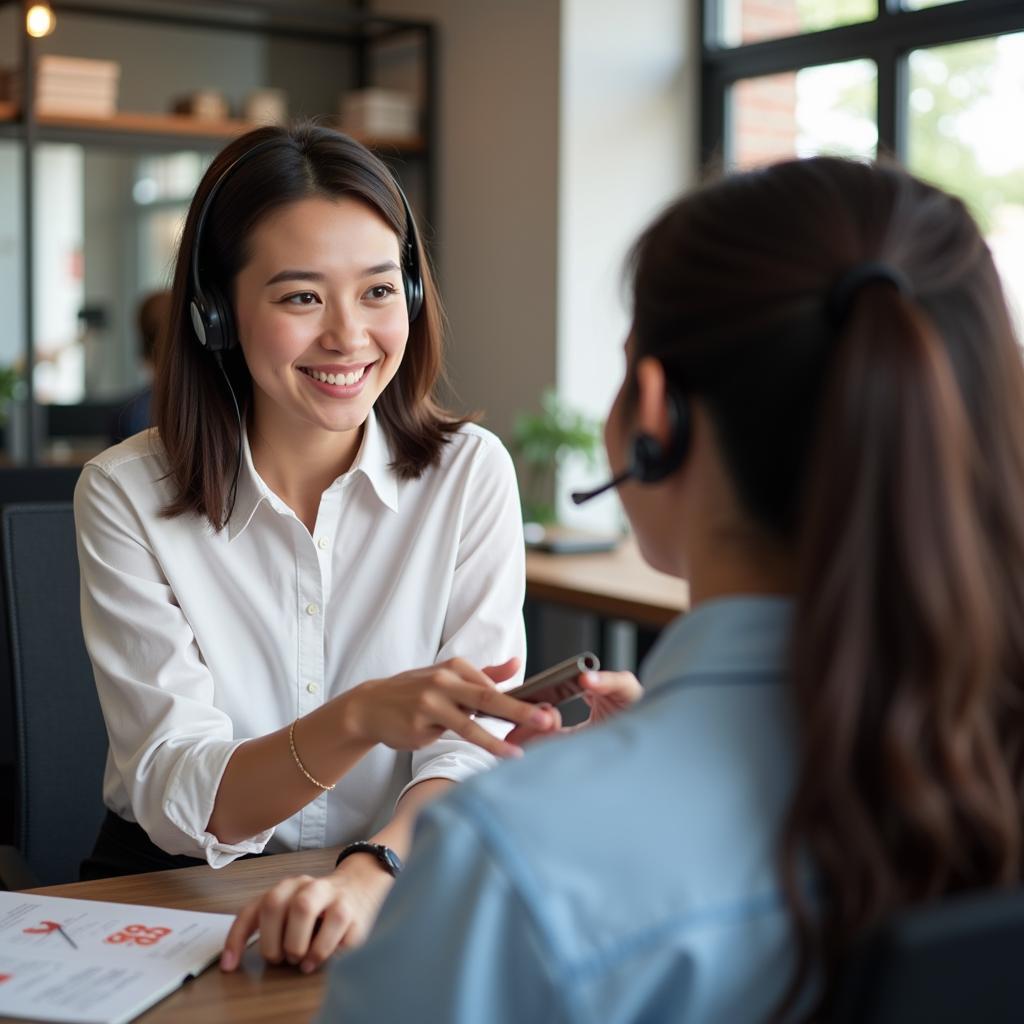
825	398
264	575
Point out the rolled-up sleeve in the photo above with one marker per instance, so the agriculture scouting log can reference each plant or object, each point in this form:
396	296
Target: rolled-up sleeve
168	742
484	619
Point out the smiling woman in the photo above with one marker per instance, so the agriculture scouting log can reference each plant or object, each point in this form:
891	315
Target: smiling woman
322	338
284	226
296	606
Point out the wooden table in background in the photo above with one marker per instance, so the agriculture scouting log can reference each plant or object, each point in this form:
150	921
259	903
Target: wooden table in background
255	991
615	584
630	600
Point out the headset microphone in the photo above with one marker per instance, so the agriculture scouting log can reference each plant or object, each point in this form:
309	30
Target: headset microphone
652	461
579	497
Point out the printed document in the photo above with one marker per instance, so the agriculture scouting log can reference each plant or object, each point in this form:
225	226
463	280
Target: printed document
86	962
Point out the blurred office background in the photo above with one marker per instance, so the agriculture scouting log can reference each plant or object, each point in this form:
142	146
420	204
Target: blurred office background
547	133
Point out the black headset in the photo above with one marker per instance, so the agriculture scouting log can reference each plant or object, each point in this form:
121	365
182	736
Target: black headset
651	460
212	318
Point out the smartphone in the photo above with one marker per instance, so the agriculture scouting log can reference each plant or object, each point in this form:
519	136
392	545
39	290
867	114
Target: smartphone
559	683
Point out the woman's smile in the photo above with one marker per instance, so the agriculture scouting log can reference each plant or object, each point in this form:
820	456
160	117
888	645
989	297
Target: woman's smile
338	381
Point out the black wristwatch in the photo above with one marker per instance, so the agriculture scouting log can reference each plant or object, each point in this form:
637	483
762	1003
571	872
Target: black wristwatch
386	857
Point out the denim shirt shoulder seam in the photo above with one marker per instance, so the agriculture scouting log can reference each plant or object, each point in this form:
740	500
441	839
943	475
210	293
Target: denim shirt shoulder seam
509	863
689	921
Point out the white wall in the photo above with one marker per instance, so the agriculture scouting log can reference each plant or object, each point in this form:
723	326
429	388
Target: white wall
627	147
498	198
565	124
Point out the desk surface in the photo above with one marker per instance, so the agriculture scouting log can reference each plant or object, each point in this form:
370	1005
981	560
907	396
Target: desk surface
255	991
616	584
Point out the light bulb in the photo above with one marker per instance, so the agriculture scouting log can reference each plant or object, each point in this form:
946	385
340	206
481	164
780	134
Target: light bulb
40	20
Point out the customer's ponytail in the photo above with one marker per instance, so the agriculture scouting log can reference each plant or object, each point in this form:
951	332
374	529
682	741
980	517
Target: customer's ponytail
903	792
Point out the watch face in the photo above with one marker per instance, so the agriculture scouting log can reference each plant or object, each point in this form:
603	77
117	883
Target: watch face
393	862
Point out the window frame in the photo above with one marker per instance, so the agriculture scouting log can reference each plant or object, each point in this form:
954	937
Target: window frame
887	39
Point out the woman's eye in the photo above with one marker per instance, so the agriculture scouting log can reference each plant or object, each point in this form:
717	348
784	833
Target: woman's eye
300	299
381	291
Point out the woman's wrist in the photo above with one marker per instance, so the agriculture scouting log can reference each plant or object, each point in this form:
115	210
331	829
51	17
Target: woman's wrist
351	721
361	868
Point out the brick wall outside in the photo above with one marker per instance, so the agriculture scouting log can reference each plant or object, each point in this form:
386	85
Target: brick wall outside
764	109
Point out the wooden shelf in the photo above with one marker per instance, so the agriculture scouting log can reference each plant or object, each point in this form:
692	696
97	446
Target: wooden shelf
177	126
146	124
8	111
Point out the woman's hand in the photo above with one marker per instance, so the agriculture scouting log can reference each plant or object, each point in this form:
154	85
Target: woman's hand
412	709
303	920
606	693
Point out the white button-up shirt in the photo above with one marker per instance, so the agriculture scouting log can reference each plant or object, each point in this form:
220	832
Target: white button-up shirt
200	640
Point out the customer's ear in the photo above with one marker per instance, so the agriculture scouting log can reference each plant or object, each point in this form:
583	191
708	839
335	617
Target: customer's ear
652	414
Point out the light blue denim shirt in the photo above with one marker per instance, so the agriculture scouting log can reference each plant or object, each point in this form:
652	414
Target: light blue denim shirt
627	873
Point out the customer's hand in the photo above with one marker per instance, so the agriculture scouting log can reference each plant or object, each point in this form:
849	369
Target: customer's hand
303	920
412	709
606	693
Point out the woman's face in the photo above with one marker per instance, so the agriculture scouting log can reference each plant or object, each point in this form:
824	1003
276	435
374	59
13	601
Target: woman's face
321	314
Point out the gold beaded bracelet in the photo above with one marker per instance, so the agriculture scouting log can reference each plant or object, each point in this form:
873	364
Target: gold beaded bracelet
301	766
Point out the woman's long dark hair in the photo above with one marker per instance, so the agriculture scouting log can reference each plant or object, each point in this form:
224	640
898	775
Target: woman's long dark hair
191	405
888	452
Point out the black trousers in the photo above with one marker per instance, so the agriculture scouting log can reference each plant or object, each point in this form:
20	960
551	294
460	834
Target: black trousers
123	848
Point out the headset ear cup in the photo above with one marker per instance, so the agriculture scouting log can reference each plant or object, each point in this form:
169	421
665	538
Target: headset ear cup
218	322
197	311
226	313
648	458
653	461
413	294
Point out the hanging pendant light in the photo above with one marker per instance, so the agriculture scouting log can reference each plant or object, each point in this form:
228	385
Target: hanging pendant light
40	20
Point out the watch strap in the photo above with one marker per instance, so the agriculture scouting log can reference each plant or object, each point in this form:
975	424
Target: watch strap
386	857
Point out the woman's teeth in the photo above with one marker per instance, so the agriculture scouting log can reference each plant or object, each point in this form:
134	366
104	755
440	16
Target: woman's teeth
347	379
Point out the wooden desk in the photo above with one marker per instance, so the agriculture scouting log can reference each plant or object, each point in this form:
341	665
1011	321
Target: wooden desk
255	991
615	584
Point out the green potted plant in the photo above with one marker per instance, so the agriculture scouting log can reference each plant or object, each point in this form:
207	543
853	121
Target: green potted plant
543	442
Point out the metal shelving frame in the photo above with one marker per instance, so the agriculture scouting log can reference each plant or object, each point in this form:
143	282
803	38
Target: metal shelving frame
357	29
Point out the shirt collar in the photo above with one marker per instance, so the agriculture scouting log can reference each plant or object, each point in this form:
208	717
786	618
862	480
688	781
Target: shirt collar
723	636
373	460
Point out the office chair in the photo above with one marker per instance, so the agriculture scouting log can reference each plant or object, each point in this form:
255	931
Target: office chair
20	484
60	736
953	962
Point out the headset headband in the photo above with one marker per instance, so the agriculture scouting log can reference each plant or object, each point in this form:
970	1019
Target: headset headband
410	244
204	210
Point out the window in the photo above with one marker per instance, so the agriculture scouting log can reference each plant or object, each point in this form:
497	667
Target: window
963	98
751	21
829	108
937	83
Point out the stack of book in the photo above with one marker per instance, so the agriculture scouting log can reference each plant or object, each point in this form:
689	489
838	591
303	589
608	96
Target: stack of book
76	85
379	113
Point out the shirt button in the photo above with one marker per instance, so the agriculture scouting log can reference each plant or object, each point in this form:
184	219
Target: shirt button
322	543
311	609
311	687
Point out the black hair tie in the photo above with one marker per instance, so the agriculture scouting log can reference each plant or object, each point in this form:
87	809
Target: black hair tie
844	291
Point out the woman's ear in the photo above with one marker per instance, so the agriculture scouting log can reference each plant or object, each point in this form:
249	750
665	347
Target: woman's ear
652	414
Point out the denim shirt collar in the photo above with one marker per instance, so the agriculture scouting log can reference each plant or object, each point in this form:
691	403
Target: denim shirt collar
725	636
